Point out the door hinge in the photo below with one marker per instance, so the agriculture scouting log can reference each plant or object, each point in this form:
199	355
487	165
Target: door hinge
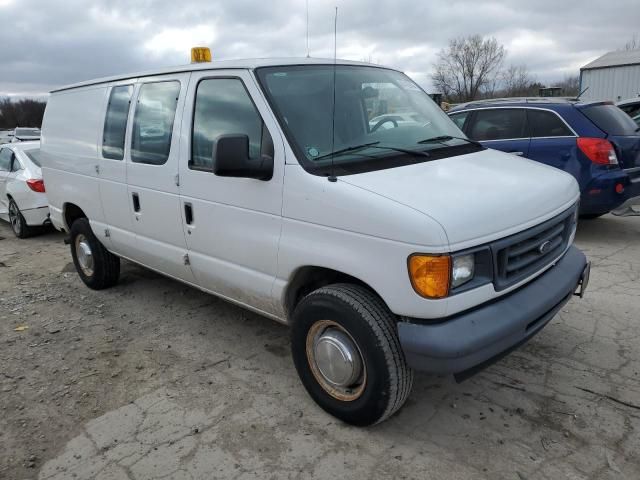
107	233
98	169
177	180
186	259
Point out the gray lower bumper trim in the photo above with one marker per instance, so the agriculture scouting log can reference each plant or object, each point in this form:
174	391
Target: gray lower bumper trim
472	339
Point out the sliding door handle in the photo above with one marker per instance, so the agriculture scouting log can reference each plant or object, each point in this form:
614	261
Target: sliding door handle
188	214
136	202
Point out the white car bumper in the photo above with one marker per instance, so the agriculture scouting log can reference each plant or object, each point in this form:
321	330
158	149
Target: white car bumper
36	216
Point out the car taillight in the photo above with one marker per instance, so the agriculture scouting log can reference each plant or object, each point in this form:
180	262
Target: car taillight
36	185
598	150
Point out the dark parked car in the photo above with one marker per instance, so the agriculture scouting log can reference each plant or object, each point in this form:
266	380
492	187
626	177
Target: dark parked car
595	142
632	108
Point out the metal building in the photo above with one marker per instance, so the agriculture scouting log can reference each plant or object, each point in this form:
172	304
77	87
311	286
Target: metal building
614	76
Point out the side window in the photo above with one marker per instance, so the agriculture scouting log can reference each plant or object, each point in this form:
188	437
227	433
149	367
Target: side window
5	159
547	124
153	122
15	164
115	122
498	124
459	118
223	107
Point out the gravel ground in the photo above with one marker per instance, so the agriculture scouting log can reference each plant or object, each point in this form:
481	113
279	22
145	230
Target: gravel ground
153	379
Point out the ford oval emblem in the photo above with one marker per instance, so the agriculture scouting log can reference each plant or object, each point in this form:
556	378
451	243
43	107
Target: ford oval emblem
544	247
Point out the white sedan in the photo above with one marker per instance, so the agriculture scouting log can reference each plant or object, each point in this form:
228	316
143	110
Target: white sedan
22	197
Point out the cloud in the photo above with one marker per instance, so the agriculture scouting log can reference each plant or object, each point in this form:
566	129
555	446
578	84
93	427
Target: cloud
48	43
180	40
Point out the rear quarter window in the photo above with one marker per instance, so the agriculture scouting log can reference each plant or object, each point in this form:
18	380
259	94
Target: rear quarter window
543	124
610	119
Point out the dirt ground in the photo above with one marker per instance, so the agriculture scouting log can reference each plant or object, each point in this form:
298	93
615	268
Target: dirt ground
153	379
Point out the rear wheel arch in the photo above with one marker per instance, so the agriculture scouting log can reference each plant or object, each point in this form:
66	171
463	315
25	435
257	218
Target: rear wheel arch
71	212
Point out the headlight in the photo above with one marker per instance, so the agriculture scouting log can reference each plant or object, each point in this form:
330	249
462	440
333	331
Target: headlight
462	269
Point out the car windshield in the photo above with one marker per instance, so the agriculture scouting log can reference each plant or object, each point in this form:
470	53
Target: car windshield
382	118
27	132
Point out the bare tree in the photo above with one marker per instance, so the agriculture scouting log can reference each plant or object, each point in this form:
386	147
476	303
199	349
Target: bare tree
632	44
570	85
21	113
467	67
516	81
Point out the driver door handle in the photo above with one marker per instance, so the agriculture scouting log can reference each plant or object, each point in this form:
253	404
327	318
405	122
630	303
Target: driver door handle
136	202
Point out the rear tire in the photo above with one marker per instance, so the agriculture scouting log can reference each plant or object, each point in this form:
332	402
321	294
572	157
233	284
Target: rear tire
591	216
98	268
17	221
356	316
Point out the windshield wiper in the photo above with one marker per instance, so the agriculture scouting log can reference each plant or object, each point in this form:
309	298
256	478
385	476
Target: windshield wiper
406	150
444	138
353	148
374	145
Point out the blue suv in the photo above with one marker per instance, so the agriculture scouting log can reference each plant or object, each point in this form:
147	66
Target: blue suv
595	142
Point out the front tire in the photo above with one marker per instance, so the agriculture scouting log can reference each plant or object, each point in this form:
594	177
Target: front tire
98	268
17	221
346	350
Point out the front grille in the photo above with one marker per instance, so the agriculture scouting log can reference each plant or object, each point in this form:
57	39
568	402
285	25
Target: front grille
523	254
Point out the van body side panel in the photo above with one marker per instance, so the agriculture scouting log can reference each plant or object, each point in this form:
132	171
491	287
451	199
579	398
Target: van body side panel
236	222
336	225
68	151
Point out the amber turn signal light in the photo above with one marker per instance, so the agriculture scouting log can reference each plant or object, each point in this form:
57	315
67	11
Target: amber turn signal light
430	275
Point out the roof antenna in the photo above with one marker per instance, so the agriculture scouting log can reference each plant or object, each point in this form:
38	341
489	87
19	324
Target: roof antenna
582	92
308	29
332	177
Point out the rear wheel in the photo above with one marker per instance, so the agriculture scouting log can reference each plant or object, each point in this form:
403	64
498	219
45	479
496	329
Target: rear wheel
348	356
591	216
17	221
98	268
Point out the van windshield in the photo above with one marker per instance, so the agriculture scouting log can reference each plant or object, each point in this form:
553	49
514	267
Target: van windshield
382	118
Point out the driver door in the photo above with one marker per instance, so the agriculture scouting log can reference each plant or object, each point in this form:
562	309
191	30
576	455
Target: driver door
232	225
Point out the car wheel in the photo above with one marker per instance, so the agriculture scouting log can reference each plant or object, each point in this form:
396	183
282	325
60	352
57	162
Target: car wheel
17	221
346	350
591	216
98	268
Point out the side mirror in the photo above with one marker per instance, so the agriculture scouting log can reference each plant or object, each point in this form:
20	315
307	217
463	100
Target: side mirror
232	159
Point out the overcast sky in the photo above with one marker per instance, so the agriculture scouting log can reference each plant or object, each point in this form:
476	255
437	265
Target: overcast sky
48	43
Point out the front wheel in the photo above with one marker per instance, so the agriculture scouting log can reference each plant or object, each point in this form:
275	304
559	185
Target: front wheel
98	268
347	353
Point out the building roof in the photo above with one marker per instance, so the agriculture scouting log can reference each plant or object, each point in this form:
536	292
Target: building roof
615	59
245	64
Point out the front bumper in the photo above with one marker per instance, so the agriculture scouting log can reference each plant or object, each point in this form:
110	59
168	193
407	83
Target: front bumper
467	342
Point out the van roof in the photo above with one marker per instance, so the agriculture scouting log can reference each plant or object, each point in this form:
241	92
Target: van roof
245	64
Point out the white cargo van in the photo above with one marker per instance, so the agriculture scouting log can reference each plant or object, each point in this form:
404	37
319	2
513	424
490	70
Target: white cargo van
387	249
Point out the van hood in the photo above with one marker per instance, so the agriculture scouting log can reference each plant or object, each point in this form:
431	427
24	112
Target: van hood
477	197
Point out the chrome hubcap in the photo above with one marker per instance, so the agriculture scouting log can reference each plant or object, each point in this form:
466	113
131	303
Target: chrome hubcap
14	217
84	255
335	360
